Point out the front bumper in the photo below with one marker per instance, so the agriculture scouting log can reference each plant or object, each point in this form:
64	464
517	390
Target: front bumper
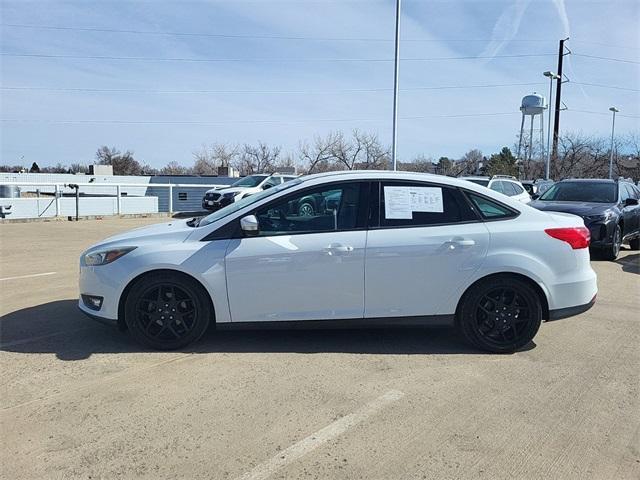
601	233
215	205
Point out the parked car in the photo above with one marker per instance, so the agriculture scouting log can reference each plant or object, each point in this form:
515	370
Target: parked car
609	209
388	248
504	184
219	197
536	187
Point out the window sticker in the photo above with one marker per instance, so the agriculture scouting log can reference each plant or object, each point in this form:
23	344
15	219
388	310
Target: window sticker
401	202
397	203
426	199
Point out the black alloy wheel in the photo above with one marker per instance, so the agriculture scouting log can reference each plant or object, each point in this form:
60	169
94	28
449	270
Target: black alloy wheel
500	315
167	310
306	210
611	252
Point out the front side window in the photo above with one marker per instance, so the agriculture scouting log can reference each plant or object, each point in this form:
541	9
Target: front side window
329	208
245	202
497	186
416	205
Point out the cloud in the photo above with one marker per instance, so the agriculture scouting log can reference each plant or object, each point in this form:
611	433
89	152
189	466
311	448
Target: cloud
506	27
564	18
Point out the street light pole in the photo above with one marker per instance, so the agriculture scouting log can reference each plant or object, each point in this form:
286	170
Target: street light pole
613	127
552	76
394	141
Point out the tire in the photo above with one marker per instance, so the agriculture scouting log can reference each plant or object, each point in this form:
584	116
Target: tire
479	313
167	310
635	243
306	210
611	252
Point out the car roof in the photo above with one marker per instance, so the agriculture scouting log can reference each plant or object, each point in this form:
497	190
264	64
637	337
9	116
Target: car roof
589	180
392	175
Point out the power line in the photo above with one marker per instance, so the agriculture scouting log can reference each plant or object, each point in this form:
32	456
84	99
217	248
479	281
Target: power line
591	112
306	92
226	122
252	36
262	59
606	86
621	60
600	44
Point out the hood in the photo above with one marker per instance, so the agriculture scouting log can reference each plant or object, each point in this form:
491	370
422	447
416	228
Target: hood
174	231
582	209
228	189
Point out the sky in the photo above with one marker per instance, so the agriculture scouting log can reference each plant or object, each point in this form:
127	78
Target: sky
162	78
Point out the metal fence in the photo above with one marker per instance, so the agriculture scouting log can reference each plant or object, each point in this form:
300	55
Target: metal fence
53	199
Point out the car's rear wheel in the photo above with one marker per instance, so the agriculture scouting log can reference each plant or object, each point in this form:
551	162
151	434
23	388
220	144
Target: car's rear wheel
500	315
167	310
611	252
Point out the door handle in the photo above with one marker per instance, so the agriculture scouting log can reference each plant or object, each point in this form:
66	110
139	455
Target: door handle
337	248
462	243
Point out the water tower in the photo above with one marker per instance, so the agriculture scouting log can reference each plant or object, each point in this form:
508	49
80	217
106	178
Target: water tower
531	106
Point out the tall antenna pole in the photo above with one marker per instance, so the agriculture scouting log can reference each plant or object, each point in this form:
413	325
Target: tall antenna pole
394	144
556	118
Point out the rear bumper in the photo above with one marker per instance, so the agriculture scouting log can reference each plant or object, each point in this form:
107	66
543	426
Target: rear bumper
561	313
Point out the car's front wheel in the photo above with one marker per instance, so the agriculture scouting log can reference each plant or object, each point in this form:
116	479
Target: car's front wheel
500	314
612	251
167	310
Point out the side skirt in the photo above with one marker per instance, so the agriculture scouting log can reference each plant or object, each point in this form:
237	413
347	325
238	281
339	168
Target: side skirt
383	322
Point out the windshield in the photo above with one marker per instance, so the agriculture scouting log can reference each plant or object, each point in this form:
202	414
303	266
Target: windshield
479	181
246	201
598	192
250	181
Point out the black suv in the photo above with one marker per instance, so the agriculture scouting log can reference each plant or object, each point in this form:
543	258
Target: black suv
609	208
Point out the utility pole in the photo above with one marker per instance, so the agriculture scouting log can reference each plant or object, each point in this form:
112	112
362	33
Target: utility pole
394	141
613	128
556	118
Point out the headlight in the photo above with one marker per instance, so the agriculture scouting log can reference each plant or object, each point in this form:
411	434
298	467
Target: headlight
603	217
231	194
103	257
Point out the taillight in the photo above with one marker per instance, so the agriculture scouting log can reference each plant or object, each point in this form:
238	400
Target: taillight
577	237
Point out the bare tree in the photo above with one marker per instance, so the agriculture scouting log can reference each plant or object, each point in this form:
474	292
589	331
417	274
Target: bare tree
418	164
260	158
123	163
469	164
174	168
362	151
318	157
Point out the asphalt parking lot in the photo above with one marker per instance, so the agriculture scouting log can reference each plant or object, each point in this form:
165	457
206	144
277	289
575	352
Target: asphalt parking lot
81	400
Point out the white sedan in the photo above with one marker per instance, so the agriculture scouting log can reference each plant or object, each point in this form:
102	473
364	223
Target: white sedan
379	248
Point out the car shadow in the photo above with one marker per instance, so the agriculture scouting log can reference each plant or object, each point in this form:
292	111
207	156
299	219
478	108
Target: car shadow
630	263
60	328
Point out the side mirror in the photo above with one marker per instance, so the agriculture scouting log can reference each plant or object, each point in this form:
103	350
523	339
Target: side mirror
630	202
249	225
535	196
266	185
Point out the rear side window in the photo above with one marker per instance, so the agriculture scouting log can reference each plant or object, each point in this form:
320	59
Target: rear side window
517	188
489	209
427	205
